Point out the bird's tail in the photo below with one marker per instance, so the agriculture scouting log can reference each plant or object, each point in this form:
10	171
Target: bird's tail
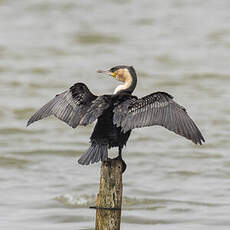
94	154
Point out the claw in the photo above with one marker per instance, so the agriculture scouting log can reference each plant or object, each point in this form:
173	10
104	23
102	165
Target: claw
124	166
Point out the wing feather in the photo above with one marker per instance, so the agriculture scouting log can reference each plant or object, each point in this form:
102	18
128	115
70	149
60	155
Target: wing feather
72	106
156	109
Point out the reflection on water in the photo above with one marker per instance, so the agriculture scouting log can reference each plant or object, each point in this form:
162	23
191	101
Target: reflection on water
180	47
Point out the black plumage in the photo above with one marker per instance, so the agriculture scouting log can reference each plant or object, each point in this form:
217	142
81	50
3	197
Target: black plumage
117	114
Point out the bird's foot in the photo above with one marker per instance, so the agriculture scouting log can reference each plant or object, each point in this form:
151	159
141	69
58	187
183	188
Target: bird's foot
107	159
124	166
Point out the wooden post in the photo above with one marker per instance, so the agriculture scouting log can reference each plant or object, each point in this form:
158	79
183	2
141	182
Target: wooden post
109	196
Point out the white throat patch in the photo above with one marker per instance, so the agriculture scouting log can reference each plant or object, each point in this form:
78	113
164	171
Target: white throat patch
126	85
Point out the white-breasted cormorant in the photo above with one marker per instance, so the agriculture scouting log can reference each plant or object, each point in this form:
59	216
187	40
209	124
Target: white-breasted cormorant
117	114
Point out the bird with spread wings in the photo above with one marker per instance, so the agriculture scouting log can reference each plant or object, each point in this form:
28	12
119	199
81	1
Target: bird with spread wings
117	114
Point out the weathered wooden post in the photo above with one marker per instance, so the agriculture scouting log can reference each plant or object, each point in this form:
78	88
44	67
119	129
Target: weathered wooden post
109	198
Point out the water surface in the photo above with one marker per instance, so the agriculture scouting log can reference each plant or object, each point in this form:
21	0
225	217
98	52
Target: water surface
181	47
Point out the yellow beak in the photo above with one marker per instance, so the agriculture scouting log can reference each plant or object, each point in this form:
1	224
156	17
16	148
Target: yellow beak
107	72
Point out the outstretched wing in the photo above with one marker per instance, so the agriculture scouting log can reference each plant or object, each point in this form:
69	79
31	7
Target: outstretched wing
156	109
71	106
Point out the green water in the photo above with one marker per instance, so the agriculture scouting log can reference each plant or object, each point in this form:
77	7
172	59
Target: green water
181	47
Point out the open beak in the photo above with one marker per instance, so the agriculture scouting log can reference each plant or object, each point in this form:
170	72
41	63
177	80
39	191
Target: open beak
107	72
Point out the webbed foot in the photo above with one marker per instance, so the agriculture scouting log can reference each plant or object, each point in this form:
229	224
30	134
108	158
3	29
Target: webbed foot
124	166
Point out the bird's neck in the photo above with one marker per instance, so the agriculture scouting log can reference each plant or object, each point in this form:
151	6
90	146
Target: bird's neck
129	84
123	87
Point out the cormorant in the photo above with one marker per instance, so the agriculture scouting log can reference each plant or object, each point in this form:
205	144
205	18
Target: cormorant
117	114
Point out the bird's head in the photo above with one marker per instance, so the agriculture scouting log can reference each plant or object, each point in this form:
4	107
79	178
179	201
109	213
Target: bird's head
123	73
